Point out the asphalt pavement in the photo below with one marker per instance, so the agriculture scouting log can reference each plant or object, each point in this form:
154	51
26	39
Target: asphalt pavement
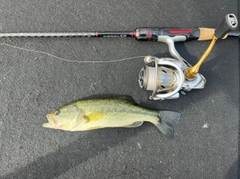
38	75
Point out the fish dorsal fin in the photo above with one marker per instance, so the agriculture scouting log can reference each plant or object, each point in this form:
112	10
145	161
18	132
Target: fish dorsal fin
129	99
94	116
126	98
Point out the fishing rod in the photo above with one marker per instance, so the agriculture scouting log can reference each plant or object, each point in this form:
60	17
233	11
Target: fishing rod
165	77
142	34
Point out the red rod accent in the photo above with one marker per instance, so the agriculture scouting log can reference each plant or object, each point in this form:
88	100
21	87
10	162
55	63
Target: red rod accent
149	33
134	34
180	31
96	34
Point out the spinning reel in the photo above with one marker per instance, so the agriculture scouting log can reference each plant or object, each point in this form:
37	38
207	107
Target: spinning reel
166	77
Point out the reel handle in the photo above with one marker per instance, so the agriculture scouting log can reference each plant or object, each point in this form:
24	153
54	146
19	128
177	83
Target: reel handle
229	23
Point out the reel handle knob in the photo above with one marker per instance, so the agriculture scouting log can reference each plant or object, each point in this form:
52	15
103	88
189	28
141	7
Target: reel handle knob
229	23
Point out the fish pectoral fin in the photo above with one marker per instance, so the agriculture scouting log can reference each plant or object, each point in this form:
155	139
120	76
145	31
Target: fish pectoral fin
85	118
136	124
95	116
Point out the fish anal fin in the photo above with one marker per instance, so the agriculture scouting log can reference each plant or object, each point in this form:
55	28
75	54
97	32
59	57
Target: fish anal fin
94	117
93	128
136	124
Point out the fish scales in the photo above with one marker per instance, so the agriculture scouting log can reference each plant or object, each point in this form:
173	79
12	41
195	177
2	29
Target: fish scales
116	113
119	106
92	114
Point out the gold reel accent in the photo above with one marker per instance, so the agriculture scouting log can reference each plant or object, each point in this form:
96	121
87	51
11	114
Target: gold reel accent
191	73
229	23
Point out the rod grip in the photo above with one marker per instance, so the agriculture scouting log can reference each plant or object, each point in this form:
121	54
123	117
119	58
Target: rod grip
229	23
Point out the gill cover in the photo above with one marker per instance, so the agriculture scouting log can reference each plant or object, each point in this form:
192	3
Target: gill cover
65	118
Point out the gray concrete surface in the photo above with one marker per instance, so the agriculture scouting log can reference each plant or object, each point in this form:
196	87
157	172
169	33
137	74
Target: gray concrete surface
36	77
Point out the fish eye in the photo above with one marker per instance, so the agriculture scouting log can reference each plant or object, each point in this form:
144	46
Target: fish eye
57	112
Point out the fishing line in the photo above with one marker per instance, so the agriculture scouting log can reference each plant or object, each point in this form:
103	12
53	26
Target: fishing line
67	60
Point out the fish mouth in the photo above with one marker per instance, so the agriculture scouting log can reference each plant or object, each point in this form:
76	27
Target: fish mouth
50	123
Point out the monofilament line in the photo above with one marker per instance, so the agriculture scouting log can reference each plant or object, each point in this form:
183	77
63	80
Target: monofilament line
67	60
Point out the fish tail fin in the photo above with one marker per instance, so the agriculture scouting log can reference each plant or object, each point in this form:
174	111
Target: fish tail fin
167	121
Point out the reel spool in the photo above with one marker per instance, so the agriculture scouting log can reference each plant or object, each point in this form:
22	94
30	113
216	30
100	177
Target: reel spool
165	78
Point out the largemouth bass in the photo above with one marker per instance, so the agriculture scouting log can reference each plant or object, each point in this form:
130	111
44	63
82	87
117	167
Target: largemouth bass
92	114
